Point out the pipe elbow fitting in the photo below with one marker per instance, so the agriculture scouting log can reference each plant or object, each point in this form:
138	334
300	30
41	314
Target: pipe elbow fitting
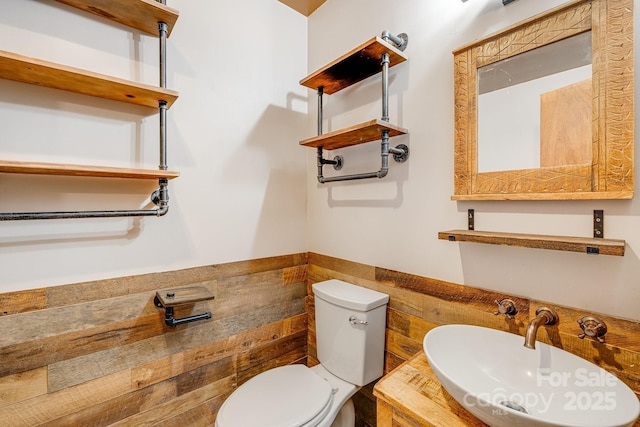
162	211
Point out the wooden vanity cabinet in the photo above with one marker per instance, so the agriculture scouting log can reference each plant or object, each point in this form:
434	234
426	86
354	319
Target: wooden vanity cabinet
412	396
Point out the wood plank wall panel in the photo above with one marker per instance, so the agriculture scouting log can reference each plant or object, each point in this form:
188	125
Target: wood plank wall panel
98	353
418	304
22	386
43	336
108	288
19	302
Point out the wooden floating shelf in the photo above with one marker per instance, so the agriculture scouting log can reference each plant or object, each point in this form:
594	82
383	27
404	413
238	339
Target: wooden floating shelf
142	15
354	66
354	135
183	296
7	166
44	73
560	243
585	195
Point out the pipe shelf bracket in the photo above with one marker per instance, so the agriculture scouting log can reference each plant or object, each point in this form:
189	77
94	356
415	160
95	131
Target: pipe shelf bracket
400	41
399	153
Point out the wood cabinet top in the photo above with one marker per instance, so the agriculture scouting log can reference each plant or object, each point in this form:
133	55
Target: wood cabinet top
413	388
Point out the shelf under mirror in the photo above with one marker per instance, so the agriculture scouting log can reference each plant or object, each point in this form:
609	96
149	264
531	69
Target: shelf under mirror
586	245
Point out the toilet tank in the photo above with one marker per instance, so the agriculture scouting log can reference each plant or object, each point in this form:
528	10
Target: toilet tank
350	330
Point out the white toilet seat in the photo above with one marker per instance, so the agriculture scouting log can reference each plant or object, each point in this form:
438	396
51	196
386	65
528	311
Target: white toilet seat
288	396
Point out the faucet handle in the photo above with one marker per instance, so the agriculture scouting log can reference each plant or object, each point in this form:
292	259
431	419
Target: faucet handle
506	307
592	327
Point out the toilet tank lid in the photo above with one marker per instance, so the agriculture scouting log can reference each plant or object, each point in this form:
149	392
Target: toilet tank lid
350	296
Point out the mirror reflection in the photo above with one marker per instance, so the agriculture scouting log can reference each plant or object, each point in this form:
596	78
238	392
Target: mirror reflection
534	109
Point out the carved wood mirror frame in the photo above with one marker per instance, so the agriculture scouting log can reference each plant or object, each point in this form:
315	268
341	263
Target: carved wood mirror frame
610	175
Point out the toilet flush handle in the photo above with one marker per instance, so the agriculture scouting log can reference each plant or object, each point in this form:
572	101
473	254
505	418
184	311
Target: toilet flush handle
355	321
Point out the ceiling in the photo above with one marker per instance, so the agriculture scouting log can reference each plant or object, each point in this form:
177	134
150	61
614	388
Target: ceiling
305	7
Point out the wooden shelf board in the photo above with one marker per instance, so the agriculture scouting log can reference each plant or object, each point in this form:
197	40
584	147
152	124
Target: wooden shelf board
353	135
8	166
561	243
183	296
585	195
44	73
143	15
354	66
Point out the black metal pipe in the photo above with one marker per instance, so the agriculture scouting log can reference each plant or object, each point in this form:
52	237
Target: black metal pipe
320	113
160	197
162	110
162	38
162	105
82	214
330	162
385	86
384	154
319	156
169	320
366	175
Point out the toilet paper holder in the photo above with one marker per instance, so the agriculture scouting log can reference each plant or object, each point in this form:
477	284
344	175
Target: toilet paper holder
170	298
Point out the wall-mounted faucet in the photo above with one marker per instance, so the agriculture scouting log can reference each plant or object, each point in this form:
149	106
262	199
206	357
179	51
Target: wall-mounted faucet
544	316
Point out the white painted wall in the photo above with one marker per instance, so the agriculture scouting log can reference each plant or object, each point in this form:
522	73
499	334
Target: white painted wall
394	223
232	135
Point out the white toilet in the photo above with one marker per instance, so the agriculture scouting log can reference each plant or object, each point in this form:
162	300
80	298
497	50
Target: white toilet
350	331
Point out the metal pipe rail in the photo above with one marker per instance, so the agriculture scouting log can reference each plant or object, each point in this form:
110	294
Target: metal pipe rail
159	197
82	214
400	152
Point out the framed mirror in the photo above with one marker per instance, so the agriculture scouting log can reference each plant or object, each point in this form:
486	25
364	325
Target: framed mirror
545	109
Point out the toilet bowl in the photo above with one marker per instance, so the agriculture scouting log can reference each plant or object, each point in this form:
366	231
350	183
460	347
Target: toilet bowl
350	324
313	397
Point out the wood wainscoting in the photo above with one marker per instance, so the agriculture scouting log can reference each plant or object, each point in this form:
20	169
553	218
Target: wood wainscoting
99	353
418	304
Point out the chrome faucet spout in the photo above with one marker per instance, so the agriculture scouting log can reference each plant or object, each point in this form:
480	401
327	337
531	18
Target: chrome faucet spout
544	316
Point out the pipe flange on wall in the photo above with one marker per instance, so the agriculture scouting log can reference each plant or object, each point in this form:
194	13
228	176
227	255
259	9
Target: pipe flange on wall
339	162
405	41
401	157
401	40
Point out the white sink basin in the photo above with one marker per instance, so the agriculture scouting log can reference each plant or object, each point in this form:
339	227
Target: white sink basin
496	378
